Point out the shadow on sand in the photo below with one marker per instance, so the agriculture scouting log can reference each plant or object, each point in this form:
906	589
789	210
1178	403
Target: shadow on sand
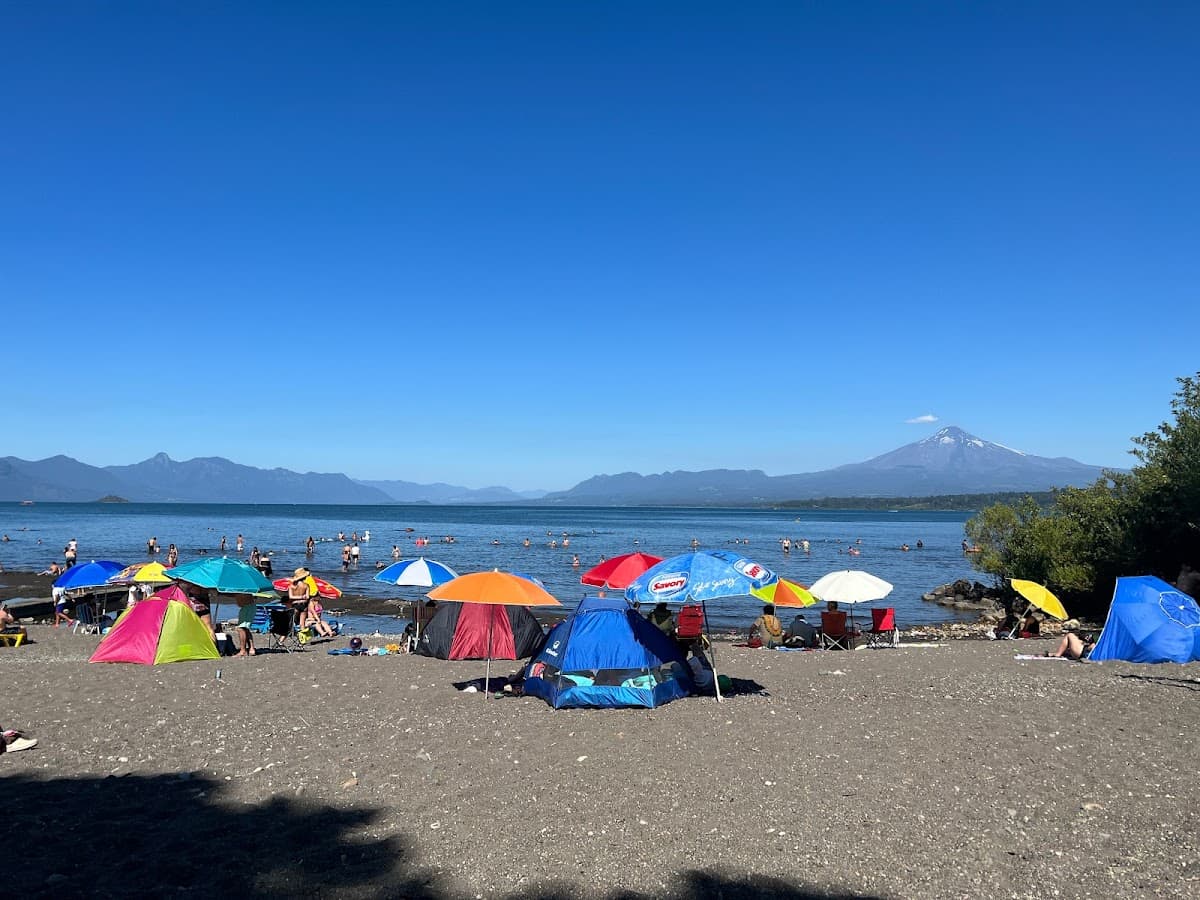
1191	684
175	835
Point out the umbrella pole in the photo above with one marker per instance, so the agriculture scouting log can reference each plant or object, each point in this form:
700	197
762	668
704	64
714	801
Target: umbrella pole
713	650
487	678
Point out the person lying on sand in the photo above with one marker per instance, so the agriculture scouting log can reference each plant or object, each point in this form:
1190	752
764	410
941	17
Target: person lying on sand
1072	647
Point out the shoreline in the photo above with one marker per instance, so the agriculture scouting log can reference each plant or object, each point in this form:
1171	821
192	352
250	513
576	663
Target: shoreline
15	584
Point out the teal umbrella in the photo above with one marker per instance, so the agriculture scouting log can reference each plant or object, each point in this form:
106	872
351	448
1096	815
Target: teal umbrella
223	575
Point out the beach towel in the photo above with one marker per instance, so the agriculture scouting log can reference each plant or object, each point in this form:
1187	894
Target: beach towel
1038	656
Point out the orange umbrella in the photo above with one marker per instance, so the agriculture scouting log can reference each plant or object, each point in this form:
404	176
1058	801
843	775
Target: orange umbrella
494	588
785	593
500	588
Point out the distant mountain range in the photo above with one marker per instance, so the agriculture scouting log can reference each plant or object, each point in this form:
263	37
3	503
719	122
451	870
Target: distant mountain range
949	462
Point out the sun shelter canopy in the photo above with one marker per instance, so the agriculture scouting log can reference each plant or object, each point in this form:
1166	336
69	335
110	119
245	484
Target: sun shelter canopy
156	631
1149	622
605	655
471	630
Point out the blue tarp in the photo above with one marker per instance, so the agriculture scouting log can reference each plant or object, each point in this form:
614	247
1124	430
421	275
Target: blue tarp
1150	622
606	655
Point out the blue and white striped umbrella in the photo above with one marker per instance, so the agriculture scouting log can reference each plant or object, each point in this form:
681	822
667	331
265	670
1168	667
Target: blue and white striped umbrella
419	572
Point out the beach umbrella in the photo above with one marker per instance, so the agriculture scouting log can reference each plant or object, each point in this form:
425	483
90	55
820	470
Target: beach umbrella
142	573
495	589
88	575
1038	596
850	586
617	573
419	572
223	575
785	593
324	588
702	575
532	578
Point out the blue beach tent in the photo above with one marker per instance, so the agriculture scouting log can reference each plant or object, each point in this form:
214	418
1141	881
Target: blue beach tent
606	655
1149	622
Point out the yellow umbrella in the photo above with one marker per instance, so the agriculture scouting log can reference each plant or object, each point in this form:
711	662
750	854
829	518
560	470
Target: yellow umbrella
141	573
785	593
1039	596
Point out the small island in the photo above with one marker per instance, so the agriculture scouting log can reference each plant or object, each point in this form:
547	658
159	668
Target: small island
112	498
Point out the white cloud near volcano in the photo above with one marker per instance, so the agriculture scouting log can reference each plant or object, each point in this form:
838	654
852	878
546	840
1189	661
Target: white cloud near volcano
922	420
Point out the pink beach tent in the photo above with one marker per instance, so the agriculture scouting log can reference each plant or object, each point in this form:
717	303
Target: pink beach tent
154	631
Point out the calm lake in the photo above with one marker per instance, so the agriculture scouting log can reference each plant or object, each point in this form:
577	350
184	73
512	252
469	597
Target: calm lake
488	537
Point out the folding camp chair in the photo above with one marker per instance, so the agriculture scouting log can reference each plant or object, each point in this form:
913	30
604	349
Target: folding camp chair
283	630
834	634
689	626
86	620
883	631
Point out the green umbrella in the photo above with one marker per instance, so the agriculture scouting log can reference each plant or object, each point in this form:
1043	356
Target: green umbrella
223	575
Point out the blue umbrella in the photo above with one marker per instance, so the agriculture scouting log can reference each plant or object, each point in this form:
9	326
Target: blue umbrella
532	578
86	575
702	575
223	575
419	572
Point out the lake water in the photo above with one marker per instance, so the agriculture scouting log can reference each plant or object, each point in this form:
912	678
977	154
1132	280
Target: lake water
120	531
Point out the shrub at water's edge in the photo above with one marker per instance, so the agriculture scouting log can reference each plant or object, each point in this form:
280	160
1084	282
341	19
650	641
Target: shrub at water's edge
1146	521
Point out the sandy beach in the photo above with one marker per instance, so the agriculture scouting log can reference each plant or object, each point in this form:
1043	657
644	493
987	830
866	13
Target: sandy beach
952	771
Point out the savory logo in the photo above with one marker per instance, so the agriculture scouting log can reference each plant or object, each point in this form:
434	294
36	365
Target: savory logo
669	584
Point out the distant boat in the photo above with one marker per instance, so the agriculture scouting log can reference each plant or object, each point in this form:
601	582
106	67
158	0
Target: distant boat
27	503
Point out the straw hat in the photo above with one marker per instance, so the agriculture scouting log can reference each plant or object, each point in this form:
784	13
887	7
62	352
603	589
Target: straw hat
301	573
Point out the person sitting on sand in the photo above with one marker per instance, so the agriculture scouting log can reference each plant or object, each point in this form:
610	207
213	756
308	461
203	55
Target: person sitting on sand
1006	627
1031	625
801	633
660	617
767	630
1072	646
701	668
54	569
316	612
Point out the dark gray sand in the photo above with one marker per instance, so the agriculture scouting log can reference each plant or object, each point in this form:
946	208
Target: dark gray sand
950	771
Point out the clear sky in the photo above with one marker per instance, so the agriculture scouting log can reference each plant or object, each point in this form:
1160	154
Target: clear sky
526	243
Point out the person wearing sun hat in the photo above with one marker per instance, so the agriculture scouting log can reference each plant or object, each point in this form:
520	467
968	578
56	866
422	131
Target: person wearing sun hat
300	595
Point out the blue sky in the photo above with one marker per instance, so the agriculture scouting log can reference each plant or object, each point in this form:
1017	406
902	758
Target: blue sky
525	243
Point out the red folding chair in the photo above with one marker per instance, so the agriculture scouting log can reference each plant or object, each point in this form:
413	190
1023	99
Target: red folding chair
689	626
834	633
883	631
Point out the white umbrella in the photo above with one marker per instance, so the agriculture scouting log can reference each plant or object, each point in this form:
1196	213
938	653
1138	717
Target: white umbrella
850	586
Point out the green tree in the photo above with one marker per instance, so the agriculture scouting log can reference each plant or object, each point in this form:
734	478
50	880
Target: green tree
1165	524
1143	521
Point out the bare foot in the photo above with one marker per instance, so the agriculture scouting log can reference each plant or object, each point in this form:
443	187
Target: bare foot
240	653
